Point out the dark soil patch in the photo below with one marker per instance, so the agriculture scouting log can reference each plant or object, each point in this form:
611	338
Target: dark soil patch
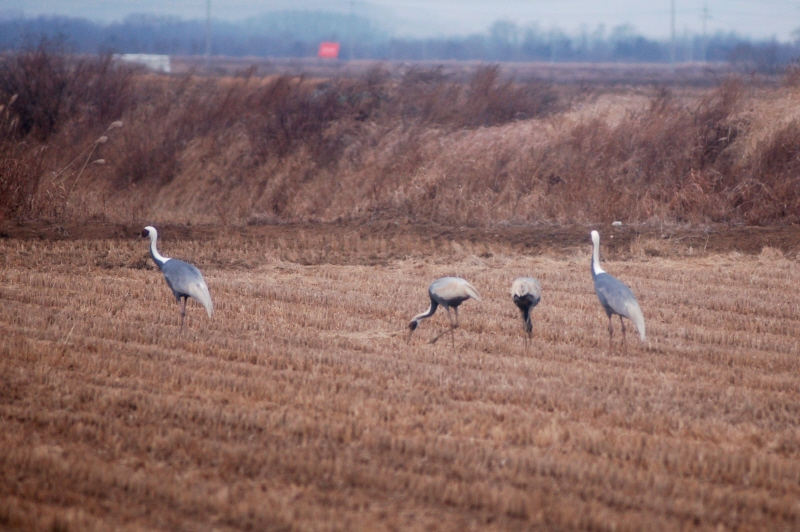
617	241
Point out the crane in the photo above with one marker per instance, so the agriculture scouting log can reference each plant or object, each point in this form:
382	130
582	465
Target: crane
447	292
614	295
184	280
526	293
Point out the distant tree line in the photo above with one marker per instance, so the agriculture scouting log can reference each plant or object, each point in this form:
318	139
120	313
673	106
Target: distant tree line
298	34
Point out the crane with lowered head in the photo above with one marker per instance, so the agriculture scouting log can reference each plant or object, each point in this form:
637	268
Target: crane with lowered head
526	293
447	292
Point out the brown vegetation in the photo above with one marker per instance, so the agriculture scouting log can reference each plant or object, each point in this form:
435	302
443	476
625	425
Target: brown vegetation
300	406
402	143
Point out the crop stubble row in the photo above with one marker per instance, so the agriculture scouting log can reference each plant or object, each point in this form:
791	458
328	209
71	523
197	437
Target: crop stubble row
300	404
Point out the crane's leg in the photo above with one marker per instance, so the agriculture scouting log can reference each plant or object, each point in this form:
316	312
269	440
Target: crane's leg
453	330
183	310
622	322
450	330
526	320
610	333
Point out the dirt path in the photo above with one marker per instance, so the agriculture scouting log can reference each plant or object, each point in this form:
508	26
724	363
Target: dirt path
617	242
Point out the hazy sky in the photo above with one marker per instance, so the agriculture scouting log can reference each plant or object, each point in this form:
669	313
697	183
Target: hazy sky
748	18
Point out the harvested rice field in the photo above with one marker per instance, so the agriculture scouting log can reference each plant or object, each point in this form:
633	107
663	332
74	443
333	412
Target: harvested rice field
300	405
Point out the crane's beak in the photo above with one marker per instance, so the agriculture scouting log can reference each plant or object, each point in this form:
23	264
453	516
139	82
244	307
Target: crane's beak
411	327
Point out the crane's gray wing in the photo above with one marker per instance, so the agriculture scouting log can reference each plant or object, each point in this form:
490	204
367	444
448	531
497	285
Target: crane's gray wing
450	289
617	298
613	294
186	280
471	291
527	290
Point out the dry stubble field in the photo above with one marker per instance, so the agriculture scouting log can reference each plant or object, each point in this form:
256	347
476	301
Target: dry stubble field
300	406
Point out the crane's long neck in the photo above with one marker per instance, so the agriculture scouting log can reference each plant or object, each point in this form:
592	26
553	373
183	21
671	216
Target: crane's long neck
426	314
526	318
157	258
596	269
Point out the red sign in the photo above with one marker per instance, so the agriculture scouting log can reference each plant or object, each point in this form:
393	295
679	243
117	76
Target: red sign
328	50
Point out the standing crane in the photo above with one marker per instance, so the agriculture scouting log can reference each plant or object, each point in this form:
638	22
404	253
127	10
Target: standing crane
526	293
184	280
614	295
447	292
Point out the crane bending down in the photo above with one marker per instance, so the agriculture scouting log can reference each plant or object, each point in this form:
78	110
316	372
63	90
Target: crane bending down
614	295
184	280
526	293
447	292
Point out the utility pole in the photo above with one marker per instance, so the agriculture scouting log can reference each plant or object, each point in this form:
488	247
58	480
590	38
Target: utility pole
705	35
352	29
672	34
208	33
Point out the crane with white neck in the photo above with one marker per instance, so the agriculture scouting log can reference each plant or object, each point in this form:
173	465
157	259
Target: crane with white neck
614	295
184	279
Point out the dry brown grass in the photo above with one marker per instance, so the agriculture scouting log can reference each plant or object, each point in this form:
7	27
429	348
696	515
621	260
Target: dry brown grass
299	405
425	144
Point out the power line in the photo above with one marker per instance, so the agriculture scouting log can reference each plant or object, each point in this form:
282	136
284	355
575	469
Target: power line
352	29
